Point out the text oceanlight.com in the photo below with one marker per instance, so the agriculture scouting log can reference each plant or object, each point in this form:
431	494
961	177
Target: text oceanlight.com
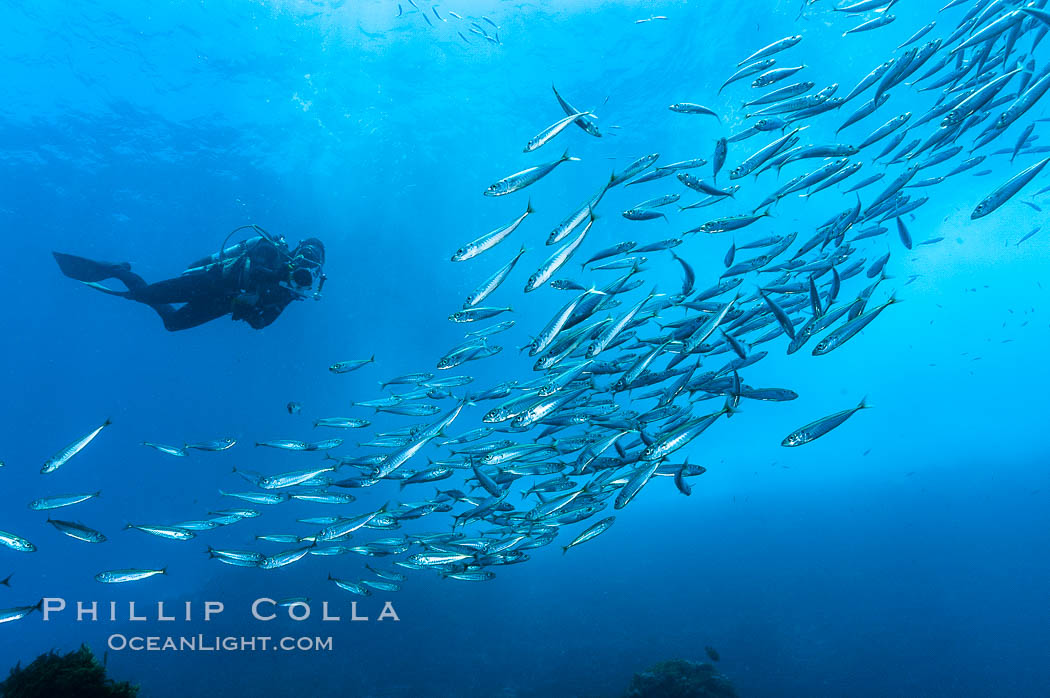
202	643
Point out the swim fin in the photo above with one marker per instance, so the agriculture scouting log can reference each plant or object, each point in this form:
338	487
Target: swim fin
96	285
87	270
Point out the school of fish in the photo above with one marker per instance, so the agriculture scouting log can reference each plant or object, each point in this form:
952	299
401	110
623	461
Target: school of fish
628	372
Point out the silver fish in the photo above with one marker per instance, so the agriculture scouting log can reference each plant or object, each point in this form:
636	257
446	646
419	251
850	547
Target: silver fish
170	450
545	136
775	47
849	330
637	167
167	532
814	430
527	177
291	479
585	123
342	422
78	531
59	501
345	527
749	70
493	282
15	542
1001	195
63	456
285	444
491	239
556	260
691	108
128	575
216	445
255	497
871	24
775	75
284	559
18	612
635	484
381	585
594	530
352	587
324	498
353	365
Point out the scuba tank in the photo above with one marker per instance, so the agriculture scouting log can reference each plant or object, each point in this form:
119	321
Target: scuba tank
227	258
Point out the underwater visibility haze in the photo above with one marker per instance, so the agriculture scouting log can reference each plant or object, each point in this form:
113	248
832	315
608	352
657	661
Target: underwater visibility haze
621	330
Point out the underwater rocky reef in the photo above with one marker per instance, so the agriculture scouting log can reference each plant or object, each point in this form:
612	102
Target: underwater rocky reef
77	674
680	678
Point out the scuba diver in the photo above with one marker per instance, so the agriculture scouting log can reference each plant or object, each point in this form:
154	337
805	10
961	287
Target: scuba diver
254	280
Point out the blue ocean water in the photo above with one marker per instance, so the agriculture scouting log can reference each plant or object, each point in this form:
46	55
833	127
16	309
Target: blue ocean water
903	554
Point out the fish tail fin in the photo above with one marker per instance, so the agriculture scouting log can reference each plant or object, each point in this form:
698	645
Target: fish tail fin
107	422
98	493
7	580
164	570
39	605
528	206
863	405
564	549
127	526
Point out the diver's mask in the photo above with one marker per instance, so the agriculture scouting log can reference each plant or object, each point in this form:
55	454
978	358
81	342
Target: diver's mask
306	270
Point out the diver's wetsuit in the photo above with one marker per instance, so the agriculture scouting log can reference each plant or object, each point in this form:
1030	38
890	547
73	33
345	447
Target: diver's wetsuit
244	280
